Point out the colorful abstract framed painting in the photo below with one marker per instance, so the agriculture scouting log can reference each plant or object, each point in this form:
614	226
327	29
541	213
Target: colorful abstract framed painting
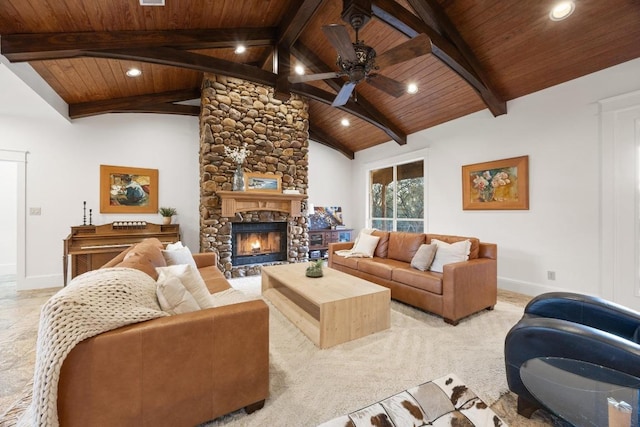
128	190
501	184
254	181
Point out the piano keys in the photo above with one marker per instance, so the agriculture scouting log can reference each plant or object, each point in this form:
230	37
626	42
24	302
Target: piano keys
92	246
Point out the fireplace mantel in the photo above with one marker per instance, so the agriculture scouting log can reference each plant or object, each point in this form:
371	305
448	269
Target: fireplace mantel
243	201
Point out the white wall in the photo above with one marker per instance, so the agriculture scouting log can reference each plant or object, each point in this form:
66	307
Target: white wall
8	219
63	169
330	180
558	128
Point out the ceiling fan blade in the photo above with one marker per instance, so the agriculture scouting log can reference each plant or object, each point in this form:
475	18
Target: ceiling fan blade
312	77
339	38
417	46
385	84
344	94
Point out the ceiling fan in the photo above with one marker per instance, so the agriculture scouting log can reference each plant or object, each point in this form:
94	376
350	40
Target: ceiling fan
360	63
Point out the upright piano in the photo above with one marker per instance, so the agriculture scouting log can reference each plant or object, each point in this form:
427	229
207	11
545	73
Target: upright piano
92	246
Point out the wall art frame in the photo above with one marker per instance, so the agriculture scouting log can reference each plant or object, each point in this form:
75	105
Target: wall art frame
496	185
128	189
262	182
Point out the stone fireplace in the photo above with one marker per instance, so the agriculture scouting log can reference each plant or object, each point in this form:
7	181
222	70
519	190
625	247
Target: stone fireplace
237	113
258	242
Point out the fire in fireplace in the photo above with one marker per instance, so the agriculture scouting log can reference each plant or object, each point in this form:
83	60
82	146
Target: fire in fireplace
258	242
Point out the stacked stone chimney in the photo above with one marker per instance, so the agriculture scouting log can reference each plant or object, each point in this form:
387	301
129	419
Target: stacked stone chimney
235	112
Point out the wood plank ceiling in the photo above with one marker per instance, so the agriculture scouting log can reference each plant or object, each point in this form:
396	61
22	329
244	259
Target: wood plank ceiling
483	53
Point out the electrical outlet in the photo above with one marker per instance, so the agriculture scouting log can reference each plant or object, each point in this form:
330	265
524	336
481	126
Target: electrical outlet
35	211
551	275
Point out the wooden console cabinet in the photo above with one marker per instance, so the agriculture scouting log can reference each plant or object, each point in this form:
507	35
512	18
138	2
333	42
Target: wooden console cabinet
319	241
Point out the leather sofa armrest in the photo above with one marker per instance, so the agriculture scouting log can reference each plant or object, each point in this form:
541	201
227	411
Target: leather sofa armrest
216	359
339	246
205	259
468	286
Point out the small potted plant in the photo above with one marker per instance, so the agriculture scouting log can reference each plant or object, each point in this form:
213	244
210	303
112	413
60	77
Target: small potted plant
315	269
167	214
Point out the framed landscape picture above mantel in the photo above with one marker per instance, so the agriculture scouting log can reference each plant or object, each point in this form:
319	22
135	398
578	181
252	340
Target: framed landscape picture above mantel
254	181
500	184
128	190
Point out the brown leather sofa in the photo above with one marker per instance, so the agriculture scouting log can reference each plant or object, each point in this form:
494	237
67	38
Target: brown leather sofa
179	370
463	288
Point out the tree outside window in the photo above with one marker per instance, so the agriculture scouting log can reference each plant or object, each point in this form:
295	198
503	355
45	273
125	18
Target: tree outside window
397	197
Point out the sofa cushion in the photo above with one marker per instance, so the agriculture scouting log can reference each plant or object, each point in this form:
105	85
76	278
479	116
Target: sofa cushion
449	253
174	298
366	245
424	257
403	246
350	262
213	279
425	280
179	256
191	279
380	267
383	244
475	242
145	258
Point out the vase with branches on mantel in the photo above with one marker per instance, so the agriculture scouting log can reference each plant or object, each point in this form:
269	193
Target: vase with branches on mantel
238	155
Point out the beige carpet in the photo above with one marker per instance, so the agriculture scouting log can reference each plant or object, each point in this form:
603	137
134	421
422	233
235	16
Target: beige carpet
310	386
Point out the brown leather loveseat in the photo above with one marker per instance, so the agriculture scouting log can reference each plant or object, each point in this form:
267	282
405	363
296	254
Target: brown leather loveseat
180	370
463	288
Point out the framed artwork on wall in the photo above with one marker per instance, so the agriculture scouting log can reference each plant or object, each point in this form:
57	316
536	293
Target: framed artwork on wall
254	181
128	190
500	184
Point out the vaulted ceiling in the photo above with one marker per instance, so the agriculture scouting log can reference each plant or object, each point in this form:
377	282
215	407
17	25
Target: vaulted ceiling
469	55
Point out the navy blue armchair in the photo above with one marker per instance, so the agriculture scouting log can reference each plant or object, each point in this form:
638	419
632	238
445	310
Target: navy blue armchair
574	327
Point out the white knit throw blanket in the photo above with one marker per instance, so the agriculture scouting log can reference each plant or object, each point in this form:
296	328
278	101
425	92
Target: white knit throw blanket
92	303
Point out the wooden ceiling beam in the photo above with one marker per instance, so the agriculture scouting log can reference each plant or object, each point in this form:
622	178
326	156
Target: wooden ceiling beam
432	11
396	16
151	103
291	26
189	60
325	97
35	47
324	138
315	64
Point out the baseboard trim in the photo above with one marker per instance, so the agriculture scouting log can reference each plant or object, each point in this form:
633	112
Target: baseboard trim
527	288
40	282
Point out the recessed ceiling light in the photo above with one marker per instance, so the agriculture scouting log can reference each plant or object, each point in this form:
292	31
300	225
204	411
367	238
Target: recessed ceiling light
412	88
562	10
133	72
344	122
240	49
299	69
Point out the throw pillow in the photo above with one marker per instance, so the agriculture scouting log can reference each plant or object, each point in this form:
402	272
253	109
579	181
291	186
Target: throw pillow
448	253
179	256
191	279
174	246
424	257
173	297
366	245
363	231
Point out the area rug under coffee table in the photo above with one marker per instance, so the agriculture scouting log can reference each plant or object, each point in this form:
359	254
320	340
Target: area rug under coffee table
442	402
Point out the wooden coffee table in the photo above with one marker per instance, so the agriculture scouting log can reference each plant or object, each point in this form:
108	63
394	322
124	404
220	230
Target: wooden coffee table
330	310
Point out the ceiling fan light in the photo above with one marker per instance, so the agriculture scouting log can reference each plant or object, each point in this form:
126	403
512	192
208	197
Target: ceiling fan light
562	10
344	122
299	69
412	88
133	72
240	49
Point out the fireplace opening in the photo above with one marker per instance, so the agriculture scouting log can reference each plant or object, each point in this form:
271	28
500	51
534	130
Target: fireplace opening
258	242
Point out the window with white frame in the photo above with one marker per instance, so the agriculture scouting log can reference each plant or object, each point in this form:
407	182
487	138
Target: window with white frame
396	197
